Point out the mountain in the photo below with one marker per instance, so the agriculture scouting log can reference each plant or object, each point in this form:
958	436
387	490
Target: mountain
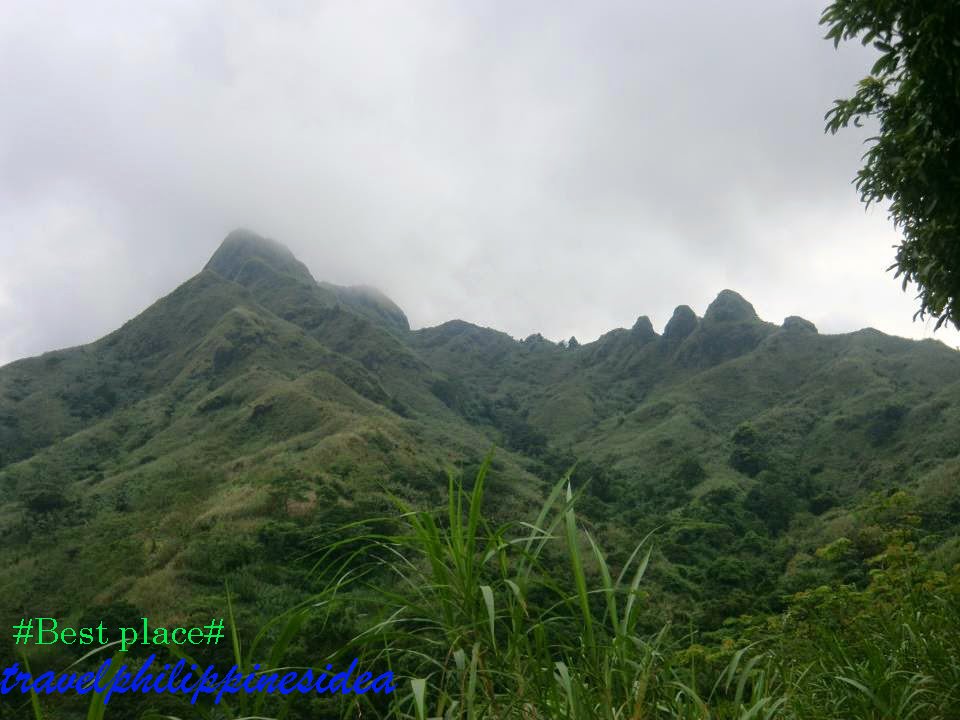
214	436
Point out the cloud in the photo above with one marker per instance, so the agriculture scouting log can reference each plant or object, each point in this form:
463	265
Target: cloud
557	167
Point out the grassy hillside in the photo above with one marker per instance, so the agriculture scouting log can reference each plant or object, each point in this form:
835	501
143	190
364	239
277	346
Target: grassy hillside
219	436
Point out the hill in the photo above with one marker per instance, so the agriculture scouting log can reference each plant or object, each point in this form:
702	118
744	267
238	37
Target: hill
213	437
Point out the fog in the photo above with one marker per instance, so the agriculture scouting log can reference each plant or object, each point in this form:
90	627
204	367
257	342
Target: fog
551	167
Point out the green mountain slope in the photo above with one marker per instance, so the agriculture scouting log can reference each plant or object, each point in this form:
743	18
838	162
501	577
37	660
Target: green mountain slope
215	435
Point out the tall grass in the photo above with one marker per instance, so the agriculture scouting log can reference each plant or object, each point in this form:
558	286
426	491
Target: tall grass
518	620
529	621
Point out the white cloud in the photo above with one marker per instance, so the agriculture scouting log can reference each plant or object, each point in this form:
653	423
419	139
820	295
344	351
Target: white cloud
558	167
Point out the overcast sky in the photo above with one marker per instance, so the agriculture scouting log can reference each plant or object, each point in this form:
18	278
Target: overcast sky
555	167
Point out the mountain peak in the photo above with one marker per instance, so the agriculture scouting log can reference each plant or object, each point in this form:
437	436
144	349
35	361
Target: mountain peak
242	247
795	323
683	322
644	328
730	306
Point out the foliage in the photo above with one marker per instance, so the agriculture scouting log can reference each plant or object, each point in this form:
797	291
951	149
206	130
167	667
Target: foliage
913	92
214	437
482	621
747	455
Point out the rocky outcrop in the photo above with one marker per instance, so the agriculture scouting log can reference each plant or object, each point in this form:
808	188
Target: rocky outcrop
242	251
643	329
730	328
683	322
797	324
730	306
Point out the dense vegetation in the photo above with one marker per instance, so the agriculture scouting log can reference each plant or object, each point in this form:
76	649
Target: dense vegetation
913	161
793	497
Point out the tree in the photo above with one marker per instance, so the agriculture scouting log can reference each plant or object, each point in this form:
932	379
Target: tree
689	473
913	91
773	502
285	488
747	455
44	500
